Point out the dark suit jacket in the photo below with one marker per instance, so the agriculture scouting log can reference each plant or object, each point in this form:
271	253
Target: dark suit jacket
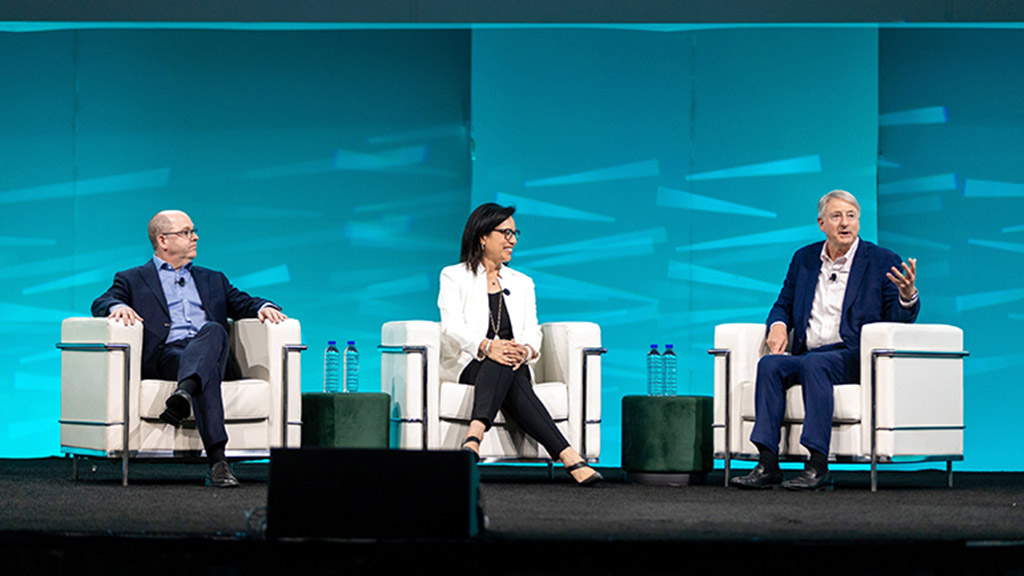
870	296
140	288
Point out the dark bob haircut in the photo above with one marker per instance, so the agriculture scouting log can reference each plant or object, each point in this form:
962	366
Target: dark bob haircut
481	222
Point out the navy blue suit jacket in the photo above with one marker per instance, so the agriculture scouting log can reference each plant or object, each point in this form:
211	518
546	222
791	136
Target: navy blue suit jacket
870	296
140	288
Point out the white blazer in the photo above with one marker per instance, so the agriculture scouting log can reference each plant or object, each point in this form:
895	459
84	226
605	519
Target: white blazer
465	311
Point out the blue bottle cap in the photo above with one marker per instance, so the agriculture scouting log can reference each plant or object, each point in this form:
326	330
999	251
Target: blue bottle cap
668	346
331	342
351	342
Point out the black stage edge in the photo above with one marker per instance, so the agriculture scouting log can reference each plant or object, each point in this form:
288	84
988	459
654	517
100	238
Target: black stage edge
166	522
324	492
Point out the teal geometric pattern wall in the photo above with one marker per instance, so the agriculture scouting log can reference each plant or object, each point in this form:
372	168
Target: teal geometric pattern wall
662	177
327	171
951	192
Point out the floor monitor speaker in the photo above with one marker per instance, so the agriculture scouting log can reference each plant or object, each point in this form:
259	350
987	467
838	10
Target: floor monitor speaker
352	493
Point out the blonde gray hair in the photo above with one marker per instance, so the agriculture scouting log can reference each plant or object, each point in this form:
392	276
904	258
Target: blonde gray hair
838	195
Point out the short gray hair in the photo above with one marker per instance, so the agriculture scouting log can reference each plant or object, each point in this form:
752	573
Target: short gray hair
838	195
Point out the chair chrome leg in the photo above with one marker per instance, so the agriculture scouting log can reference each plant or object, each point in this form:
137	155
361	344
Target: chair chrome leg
74	467
949	473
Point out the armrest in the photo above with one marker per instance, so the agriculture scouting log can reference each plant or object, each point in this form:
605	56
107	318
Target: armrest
913	391
410	356
92	383
562	359
93	379
260	349
745	344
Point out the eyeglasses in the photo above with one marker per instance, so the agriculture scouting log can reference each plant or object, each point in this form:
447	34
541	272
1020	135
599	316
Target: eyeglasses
185	233
508	233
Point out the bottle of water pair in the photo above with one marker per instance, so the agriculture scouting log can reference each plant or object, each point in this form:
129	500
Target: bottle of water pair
335	364
662	371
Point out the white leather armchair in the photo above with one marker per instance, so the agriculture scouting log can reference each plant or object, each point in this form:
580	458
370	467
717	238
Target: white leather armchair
106	406
907	407
429	414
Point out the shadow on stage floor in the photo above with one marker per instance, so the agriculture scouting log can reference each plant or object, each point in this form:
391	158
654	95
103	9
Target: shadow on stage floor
166	522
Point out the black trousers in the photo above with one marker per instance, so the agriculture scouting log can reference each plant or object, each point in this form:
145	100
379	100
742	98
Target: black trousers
203	357
498	386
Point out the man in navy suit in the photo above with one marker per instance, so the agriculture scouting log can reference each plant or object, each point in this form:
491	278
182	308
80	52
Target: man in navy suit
186	310
832	289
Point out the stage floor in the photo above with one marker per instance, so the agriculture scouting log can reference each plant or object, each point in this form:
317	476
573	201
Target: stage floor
613	528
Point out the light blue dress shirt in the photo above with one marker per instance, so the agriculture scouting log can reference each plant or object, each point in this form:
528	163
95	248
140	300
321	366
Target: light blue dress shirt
183	302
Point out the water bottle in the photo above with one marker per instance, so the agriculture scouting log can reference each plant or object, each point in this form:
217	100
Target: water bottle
351	367
655	372
669	360
332	359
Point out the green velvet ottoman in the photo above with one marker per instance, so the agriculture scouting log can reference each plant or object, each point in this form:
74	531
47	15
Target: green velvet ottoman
667	439
336	420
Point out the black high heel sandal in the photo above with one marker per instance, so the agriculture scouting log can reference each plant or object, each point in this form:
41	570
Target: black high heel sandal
590	480
475	453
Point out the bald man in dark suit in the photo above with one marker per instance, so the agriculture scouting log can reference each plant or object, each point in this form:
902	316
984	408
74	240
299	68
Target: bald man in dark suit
184	310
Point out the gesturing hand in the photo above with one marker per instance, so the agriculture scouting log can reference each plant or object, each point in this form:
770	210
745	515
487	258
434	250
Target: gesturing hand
905	280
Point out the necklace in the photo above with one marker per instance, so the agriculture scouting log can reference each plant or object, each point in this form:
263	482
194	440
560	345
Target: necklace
497	325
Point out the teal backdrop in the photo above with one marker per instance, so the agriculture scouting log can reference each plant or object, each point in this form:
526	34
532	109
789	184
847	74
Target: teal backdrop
663	177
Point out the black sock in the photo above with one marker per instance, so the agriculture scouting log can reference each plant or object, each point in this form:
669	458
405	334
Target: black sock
190	385
768	458
215	453
818	462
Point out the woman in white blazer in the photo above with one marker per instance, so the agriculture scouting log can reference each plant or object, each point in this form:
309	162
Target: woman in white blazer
490	336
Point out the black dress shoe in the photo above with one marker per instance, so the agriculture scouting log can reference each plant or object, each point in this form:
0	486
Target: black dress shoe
178	407
220	475
759	478
589	480
810	480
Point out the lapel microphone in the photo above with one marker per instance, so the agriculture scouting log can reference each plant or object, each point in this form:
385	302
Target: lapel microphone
181	281
507	292
832	278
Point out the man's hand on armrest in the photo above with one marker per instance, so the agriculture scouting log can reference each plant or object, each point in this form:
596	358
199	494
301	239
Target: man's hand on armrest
272	314
125	314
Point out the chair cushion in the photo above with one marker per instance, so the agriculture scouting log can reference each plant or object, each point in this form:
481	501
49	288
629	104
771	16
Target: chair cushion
847	403
243	399
457	401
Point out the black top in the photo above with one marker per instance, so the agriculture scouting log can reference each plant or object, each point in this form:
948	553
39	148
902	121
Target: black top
468	375
505	327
